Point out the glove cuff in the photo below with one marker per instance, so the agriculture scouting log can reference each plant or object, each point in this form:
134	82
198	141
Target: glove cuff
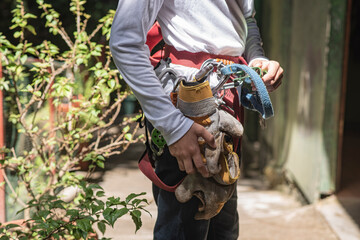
196	99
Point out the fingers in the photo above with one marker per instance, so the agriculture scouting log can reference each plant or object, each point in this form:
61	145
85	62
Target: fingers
272	68
181	164
184	160
186	163
257	63
208	137
187	150
272	78
279	74
200	165
276	82
189	166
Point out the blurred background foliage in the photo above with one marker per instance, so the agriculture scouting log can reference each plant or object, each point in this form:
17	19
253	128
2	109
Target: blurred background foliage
97	9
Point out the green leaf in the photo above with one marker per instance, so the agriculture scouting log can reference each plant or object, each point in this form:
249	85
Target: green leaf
133	195
58	204
43	213
29	15
10	226
128	136
89	192
126	129
98	65
23	59
120	212
113	201
77	233
95	186
49	17
136	217
136	213
31	29
102	227
108	213
100	193
17	34
111	215
56	236
89	157
72	213
100	164
37	93
111	83
95	53
79	61
136	202
97	207
84	224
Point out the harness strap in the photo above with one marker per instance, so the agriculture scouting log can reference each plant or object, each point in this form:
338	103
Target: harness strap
195	60
153	38
147	169
147	165
238	113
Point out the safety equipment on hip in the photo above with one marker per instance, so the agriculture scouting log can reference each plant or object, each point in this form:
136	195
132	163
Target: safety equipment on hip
212	195
195	100
206	106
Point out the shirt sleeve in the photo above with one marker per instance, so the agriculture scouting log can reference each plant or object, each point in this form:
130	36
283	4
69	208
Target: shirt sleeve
247	7
133	19
253	46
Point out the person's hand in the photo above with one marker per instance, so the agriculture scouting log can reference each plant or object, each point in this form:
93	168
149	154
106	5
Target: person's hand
273	77
187	150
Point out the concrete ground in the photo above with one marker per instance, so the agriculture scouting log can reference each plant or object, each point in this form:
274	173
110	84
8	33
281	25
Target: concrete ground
264	214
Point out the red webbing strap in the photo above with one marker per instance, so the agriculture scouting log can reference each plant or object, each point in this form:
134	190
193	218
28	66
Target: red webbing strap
231	98
154	37
238	113
190	59
148	171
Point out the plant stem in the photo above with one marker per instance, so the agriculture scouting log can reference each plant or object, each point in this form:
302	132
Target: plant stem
12	189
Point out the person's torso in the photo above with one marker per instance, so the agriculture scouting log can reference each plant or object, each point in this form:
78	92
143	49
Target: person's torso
213	26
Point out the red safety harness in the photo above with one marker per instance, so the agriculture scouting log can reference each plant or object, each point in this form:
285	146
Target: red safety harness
188	59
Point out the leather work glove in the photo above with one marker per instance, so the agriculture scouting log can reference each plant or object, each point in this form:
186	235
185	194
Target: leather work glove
195	100
211	194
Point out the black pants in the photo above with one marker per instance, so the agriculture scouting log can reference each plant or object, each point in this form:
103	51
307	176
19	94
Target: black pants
175	220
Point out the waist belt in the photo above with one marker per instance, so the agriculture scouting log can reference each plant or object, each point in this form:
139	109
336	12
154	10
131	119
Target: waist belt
195	60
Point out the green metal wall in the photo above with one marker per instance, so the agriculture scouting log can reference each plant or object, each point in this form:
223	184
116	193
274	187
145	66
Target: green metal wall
307	38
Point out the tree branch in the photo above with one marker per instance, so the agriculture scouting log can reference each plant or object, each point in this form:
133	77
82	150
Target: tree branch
12	189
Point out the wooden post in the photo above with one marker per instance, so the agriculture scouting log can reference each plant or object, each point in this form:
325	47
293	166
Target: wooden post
2	134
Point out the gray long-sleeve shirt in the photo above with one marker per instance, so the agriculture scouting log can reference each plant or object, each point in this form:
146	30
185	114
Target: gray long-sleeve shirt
224	27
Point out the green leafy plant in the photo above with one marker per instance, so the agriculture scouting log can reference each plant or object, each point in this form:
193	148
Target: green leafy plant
65	103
